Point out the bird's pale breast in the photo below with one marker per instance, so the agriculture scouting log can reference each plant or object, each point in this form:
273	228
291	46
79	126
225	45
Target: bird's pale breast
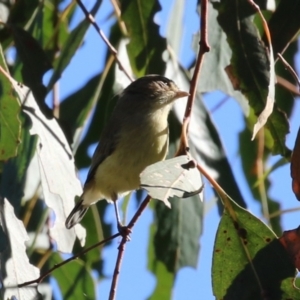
137	149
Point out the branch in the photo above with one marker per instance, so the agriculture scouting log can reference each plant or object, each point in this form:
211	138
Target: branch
112	293
38	280
290	69
121	248
287	85
204	47
112	49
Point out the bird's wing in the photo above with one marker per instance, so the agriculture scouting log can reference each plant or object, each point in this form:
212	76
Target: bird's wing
105	148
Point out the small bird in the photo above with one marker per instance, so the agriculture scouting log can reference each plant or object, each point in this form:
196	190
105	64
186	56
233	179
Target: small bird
136	136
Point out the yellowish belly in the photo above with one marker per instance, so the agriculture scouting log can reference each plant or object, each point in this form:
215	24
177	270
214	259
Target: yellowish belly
119	173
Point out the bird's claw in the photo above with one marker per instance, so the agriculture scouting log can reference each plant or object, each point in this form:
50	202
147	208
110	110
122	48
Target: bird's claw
124	231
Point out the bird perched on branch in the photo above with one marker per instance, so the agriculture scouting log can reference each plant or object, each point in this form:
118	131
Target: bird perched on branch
136	136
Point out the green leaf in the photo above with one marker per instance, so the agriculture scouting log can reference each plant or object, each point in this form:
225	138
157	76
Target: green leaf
215	62
103	108
70	47
51	28
56	164
146	46
284	25
3	240
9	123
14	170
165	279
176	240
20	14
249	262
74	279
75	109
35	65
10	127
250	65
249	157
101	113
96	229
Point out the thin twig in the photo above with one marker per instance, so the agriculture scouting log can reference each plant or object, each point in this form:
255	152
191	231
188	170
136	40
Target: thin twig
121	248
290	69
55	100
38	280
219	104
55	89
112	49
204	47
287	85
117	10
283	211
142	207
125	238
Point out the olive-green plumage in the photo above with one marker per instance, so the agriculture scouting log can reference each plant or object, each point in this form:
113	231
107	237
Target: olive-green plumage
135	137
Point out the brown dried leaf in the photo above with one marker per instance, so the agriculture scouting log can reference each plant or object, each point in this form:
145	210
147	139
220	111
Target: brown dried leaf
290	240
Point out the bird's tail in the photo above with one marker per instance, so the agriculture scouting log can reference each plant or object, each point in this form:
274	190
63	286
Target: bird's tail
76	214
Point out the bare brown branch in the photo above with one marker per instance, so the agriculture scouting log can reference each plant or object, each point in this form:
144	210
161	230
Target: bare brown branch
114	283
204	47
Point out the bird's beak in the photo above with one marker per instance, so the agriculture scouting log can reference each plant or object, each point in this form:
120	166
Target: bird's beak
180	94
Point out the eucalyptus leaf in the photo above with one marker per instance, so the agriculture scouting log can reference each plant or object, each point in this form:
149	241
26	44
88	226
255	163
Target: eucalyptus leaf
70	47
146	46
56	164
173	177
35	65
165	279
213	75
250	67
10	125
176	240
284	25
75	279
248	248
18	268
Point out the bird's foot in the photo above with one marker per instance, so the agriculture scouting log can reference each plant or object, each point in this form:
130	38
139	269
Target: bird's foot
124	231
